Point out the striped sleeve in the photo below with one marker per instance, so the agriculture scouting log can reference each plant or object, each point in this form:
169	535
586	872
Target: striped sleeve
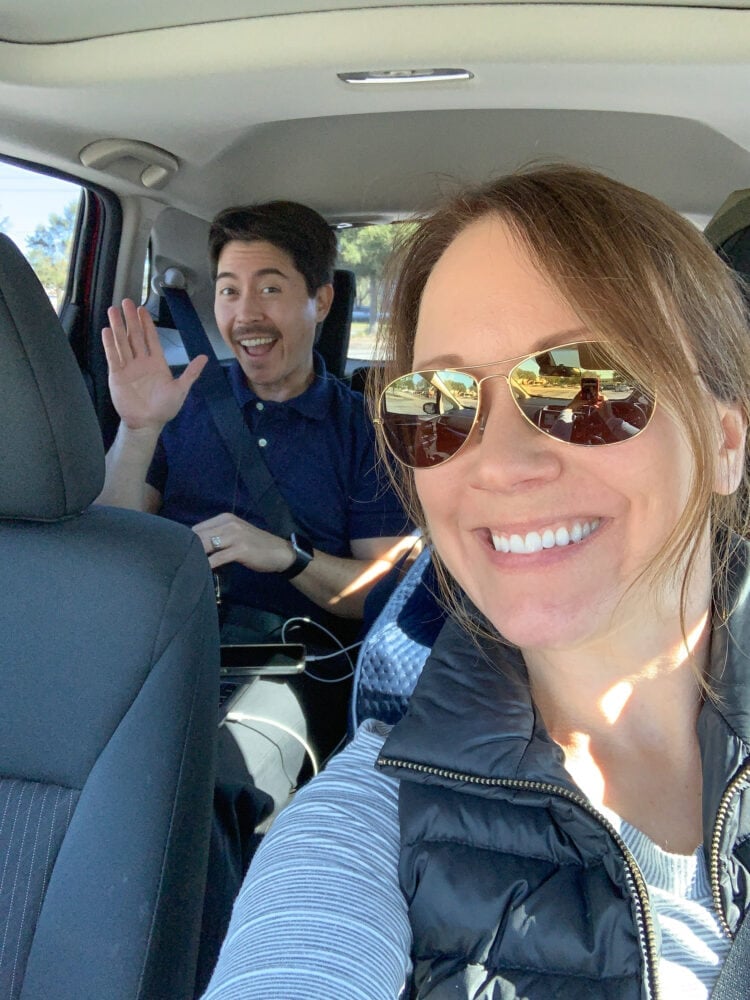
320	915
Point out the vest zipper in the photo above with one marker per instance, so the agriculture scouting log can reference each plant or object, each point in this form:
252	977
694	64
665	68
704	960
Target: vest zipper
633	876
742	778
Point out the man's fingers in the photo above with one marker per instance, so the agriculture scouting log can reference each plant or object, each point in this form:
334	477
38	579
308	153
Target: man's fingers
114	361
119	334
221	558
192	371
132	335
134	325
150	335
216	542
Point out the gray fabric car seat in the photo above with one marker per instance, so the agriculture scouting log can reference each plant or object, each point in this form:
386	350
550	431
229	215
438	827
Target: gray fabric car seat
333	336
108	696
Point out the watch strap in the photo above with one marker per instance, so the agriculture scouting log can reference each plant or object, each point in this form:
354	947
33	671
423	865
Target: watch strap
303	553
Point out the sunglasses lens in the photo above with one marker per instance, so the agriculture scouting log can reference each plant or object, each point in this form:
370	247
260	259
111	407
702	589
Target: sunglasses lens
577	393
427	416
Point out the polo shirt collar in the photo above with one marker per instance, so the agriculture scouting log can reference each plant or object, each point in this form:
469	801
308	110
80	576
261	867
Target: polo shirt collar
314	402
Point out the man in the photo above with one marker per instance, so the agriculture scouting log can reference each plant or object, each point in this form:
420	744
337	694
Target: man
273	268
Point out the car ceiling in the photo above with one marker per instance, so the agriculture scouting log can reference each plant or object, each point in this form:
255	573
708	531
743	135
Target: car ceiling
251	106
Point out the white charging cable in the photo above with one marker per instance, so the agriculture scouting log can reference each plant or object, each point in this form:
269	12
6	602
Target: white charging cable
242	717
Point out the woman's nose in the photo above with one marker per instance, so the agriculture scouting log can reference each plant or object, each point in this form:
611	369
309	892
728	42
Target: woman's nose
510	455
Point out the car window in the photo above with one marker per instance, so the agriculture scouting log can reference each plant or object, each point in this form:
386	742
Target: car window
365	250
38	212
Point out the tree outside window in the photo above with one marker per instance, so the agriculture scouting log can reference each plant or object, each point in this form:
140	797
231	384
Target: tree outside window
48	250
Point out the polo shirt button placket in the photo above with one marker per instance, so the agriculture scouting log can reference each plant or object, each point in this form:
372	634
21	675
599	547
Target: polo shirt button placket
260	408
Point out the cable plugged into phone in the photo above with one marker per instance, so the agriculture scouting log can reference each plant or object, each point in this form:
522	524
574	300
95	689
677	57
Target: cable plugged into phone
345	650
242	660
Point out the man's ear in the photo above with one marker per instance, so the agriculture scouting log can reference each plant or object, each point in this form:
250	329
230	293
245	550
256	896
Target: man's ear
732	433
323	300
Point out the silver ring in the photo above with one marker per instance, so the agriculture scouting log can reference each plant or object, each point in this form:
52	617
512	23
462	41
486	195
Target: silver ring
216	542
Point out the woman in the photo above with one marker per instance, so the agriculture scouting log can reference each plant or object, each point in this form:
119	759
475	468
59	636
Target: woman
562	811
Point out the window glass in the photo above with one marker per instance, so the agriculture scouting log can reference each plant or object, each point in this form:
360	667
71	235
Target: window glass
365	250
39	212
147	274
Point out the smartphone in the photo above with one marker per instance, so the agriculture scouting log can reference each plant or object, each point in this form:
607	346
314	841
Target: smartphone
262	659
590	390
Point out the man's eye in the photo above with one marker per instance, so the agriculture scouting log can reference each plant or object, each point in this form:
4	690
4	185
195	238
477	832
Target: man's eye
270	290
227	290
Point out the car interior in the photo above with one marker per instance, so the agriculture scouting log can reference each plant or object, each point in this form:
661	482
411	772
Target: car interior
157	116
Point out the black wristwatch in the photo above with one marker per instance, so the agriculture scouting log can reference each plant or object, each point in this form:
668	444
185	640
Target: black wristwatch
303	555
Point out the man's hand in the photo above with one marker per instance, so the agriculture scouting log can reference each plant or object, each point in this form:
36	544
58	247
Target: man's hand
227	538
144	391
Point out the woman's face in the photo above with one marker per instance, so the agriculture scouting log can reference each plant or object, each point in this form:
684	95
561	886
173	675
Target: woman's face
486	301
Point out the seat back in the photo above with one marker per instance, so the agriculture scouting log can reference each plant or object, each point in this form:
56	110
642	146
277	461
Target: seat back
729	233
109	681
333	336
397	645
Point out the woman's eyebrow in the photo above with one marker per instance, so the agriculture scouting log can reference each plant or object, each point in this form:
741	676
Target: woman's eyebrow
559	339
440	361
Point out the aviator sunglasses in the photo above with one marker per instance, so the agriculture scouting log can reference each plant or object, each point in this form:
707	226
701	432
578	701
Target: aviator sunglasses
576	393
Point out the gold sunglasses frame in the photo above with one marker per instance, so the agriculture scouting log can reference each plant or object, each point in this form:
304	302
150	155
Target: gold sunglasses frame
478	421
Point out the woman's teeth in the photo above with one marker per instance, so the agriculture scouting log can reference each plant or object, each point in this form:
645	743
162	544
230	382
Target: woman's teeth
535	541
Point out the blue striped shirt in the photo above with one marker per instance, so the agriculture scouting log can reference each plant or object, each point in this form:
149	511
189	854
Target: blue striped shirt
321	915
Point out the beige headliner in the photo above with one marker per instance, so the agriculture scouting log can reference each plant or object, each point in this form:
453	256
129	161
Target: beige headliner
252	107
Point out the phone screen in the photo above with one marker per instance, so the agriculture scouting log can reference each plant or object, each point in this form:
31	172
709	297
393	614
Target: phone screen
254	659
590	390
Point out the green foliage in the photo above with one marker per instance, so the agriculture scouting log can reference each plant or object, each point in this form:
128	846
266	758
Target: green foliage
365	250
48	250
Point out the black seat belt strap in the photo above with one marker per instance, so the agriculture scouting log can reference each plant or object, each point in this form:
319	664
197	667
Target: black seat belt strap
227	416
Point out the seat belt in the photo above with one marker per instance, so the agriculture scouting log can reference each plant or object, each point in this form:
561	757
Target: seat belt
227	416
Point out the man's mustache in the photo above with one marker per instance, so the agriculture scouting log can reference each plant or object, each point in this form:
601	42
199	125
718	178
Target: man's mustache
257	330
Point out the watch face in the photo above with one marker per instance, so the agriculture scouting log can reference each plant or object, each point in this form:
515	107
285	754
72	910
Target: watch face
303	555
302	546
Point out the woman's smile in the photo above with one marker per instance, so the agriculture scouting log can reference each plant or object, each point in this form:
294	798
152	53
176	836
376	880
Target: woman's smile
530	542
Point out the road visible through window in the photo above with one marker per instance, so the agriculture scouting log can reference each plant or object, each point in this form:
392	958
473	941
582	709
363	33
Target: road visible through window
38	213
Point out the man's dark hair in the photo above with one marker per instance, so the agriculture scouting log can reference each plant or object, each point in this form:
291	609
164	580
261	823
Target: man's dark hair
293	228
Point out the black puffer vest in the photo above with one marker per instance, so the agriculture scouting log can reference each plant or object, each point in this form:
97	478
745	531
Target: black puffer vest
516	886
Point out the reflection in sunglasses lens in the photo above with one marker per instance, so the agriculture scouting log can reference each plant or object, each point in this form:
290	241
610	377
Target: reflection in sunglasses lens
427	416
573	393
577	394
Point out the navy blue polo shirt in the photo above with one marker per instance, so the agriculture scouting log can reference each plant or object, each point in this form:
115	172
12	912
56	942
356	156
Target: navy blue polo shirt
319	448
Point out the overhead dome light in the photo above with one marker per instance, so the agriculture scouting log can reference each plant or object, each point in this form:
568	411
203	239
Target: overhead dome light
406	76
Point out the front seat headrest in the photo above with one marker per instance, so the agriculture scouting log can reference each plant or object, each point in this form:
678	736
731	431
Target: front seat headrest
729	234
51	451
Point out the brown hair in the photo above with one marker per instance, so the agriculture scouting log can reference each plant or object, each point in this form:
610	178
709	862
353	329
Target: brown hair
639	275
294	228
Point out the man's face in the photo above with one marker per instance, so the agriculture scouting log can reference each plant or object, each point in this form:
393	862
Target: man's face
267	317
